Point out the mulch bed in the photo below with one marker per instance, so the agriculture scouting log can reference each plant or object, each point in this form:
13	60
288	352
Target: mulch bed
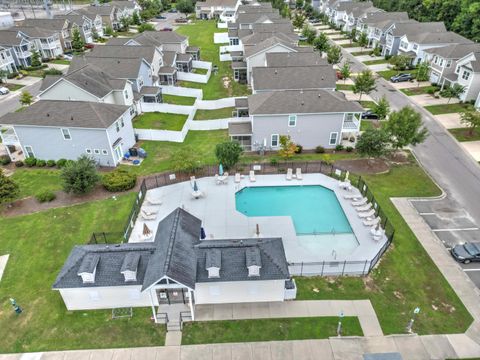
364	166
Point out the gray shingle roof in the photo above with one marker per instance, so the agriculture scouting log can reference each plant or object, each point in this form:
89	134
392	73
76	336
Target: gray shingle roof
130	262
66	114
454	51
240	128
271	41
414	28
56	24
380	17
300	77
294	59
10	37
213	258
89	263
254	8
252	256
124	52
298	102
169	58
251	18
258	37
118	68
103	10
159	37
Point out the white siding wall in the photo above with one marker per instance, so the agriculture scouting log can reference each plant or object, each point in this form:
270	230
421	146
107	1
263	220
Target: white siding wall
239	291
64	90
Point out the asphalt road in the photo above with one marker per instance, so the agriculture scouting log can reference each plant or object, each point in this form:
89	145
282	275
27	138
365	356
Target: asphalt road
456	217
10	102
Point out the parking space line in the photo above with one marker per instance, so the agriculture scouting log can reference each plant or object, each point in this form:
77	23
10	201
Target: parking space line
464	229
467	270
427	213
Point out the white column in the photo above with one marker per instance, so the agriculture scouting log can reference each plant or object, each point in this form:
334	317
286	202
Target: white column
190	302
153	307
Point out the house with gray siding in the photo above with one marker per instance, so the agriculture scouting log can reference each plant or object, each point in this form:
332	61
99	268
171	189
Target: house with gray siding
310	117
20	47
53	130
176	268
7	62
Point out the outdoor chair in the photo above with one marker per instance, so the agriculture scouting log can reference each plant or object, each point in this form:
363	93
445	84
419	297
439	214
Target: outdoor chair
366	214
252	176
150	211
360	202
237	178
299	174
147	217
153	201
365	207
372	222
352	197
289	174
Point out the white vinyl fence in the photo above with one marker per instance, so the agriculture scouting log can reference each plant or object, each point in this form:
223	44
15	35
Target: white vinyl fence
167	108
215	104
200	78
182	91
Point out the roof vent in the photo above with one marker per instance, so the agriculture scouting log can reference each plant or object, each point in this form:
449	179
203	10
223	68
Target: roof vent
319	95
71	118
276	71
303	102
48	115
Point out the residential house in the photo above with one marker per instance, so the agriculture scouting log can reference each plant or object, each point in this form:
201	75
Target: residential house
293	78
53	130
7	62
400	29
108	13
289	59
20	47
217	9
327	6
46	41
258	7
126	7
82	23
96	21
250	36
311	117
375	25
355	12
247	20
467	72
175	269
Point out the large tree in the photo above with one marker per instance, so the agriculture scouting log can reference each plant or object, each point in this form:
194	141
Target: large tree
373	143
405	128
309	33
81	176
400	62
321	43
363	40
364	83
77	41
228	153
9	189
185	7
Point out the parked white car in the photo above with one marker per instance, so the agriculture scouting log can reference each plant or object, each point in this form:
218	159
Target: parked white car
4	91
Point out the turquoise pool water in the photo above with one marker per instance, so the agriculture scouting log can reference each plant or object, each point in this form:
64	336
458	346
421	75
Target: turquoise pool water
313	209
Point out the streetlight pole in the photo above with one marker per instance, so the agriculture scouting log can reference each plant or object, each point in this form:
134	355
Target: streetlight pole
412	320
339	326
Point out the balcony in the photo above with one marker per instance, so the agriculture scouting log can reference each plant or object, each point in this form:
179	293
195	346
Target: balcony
351	126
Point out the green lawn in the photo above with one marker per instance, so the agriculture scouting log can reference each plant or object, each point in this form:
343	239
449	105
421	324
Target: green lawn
387	74
463	134
222	113
361	53
200	34
366	124
346	87
34	181
366	103
178	100
38	245
229	331
37	73
60	62
200	71
339	38
419	90
375	62
12	87
449	108
160	121
353	44
406	277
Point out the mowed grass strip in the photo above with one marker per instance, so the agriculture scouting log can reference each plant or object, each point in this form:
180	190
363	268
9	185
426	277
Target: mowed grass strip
178	100
160	121
465	134
222	113
449	108
207	332
420	90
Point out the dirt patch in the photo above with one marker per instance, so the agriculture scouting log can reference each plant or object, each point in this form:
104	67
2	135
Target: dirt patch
398	157
363	166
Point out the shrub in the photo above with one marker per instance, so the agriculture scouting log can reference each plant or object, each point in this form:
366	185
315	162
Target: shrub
51	163
273	162
52	72
31	161
45	196
349	149
12	75
299	149
19	163
431	91
228	153
61	163
319	149
24	72
41	163
339	147
80	177
119	180
5	160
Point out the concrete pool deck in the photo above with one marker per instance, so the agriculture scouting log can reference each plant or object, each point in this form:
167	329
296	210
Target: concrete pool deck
221	220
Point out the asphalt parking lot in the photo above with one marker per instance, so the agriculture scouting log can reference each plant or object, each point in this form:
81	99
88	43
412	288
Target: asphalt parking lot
453	226
169	22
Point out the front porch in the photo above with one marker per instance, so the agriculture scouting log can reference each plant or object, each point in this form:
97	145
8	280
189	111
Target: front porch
184	63
240	71
151	94
167	75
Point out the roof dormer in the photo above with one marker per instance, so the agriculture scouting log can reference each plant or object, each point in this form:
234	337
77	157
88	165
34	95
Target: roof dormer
130	266
213	262
88	268
253	261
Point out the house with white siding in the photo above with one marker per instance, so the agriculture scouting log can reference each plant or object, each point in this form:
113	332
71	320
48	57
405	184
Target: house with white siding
376	25
46	41
217	9
7	62
19	46
53	130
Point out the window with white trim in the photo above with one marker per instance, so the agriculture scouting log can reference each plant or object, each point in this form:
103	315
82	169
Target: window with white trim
457	70
88	151
66	134
441	62
122	123
415	46
104	152
466	75
125	92
117	126
292	120
96	151
132	110
274	140
333	138
449	63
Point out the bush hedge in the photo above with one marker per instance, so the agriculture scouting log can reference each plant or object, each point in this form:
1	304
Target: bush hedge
41	163
319	149
51	163
45	196
61	163
31	161
19	163
5	160
119	180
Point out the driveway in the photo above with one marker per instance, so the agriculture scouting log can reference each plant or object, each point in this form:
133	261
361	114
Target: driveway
169	22
473	148
450	121
426	99
409	84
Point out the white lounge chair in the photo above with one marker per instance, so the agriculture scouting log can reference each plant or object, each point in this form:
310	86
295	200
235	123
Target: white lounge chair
361	202
197	194
365	207
289	174
252	176
352	197
372	222
298	172
146	216
192	180
150	210
153	200
366	214
379	235
237	178
217	181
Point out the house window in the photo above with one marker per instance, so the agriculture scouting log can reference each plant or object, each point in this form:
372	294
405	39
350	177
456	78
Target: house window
457	70
435	59
274	140
449	63
415	46
88	151
466	75
292	120
132	111
441	62
333	138
29	151
104	152
66	134
140	82
96	151
122	122
403	44
234	41
126	94
117	126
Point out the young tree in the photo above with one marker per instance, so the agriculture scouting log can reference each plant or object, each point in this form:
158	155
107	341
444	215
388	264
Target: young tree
108	30
373	143
363	40
228	153
77	41
400	62
405	128
423	70
299	4
321	43
345	71
334	55
26	98
287	147
146	27
471	119
308	33
364	83
185	159
308	9
3	76
453	92
80	177
382	108
298	20
35	59
352	35
125	22
9	189
95	35
136	18
185	7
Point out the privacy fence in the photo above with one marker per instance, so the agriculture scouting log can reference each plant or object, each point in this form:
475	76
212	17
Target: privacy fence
323	268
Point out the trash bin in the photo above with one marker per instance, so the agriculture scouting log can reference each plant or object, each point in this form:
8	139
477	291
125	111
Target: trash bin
142	153
133	151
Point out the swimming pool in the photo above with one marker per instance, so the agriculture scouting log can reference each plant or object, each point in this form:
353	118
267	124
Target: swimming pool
314	209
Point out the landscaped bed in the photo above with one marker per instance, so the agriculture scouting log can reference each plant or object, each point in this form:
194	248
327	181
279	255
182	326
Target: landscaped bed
178	100
222	113
160	121
367	104
376	62
420	90
229	331
200	71
12	87
361	53
465	134
346	87
352	44
449	108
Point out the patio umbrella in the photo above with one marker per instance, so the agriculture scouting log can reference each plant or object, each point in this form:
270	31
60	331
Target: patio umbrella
146	230
220	170
202	233
195	187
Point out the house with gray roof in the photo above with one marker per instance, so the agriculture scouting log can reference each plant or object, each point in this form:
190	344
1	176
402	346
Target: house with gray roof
109	14
7	61
310	117
224	10
356	12
375	25
46	41
82	23
177	267
58	129
20	47
61	25
289	59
